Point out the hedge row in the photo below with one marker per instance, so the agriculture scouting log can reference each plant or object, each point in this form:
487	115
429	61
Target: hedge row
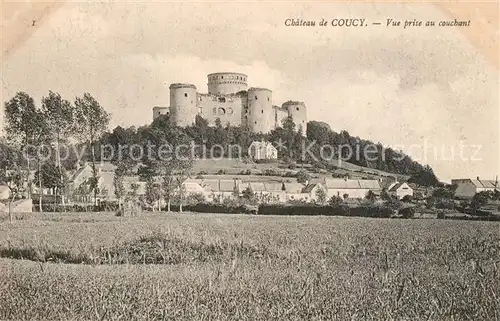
281	209
327	210
214	208
76	208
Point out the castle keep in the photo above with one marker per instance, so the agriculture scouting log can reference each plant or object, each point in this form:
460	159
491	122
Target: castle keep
230	100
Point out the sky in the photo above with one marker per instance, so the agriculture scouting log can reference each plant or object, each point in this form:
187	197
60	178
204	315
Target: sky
426	91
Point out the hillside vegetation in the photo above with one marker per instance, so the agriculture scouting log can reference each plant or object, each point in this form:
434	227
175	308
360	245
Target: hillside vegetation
292	149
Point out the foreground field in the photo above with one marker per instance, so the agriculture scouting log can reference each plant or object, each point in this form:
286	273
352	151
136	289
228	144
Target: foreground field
230	267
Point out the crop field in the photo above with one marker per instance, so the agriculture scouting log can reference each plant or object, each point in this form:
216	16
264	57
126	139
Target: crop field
244	267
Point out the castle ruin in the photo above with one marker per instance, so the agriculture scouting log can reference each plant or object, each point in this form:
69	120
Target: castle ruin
230	100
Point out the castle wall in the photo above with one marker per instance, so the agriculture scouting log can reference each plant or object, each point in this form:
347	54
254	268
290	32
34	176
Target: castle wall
279	115
227	107
225	83
183	104
158	111
298	111
229	100
260	110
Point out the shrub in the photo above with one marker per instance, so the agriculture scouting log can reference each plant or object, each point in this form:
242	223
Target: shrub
246	172
407	199
407	212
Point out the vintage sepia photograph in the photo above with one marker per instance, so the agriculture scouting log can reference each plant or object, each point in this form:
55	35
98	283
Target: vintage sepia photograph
249	160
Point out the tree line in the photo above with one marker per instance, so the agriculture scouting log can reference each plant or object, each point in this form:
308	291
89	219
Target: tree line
84	123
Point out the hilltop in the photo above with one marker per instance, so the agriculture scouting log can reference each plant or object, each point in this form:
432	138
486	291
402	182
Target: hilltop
290	143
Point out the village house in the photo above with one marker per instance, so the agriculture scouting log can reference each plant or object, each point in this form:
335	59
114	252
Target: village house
351	188
311	191
262	150
293	192
467	188
400	190
79	184
212	189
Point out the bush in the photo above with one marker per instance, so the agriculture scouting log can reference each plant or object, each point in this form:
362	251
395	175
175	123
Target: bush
407	212
270	172
246	172
407	199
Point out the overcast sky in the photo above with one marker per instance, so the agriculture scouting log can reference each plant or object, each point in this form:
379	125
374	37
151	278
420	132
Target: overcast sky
426	87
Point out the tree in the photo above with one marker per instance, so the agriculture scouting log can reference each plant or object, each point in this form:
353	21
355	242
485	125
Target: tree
14	181
384	195
248	195
371	196
302	176
92	121
443	192
334	201
25	128
321	196
480	199
173	173
153	191
50	176
118	184
59	115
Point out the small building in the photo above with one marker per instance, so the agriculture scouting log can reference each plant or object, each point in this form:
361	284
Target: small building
351	188
312	190
293	192
262	150
400	190
467	188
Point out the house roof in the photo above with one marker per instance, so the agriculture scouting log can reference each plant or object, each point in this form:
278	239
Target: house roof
273	186
294	188
387	182
484	183
309	188
369	183
214	185
257	186
211	185
227	185
332	183
395	187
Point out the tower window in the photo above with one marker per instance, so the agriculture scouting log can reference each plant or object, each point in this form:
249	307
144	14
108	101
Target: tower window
185	94
262	111
267	98
255	97
222	77
255	123
297	108
222	99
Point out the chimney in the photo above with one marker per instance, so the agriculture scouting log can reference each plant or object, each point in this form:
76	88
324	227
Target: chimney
477	178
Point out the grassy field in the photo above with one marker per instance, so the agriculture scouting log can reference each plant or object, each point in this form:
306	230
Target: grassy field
242	267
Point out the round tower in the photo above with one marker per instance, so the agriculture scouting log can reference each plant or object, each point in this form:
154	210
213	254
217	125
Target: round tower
260	117
183	104
225	83
297	110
